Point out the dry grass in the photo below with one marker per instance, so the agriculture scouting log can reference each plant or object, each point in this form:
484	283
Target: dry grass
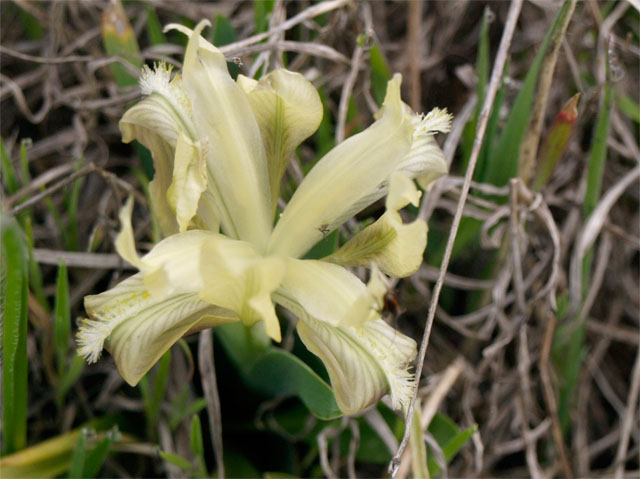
490	355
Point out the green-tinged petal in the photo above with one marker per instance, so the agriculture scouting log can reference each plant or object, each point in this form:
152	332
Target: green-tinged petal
236	156
348	178
189	180
125	241
364	363
357	172
288	110
156	122
396	248
241	281
328	292
137	327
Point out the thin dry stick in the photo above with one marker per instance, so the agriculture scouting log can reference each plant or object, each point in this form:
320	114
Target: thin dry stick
430	408
307	14
210	388
496	76
590	231
628	419
548	390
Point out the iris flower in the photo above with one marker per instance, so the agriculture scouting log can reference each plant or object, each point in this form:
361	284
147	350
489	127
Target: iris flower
220	149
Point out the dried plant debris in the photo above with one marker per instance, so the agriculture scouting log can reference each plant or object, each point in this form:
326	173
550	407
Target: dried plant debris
533	359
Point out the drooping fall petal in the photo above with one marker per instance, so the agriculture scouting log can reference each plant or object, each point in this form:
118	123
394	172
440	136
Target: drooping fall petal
395	247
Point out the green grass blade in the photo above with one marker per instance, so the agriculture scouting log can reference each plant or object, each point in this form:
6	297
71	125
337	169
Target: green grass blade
76	470
177	461
35	275
261	12
154	27
14	285
197	446
482	72
380	74
9	177
503	161
70	377
62	319
598	156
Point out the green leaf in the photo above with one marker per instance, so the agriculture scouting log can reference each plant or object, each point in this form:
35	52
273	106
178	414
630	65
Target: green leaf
14	284
482	72
49	458
380	74
118	39
177	461
449	438
418	448
261	12
35	275
325	247
154	27
598	156
62	319
70	377
97	456
9	177
503	161
276	372
224	34
76	470
197	446
628	106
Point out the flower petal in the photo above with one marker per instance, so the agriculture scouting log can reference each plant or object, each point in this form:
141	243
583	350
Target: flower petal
241	281
364	363
189	180
348	178
357	172
138	327
236	156
396	248
328	292
156	122
288	110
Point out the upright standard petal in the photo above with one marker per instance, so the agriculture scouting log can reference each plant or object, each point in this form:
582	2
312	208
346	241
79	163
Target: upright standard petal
156	122
288	110
236	156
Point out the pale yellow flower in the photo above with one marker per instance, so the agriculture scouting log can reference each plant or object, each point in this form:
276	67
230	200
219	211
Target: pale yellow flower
220	149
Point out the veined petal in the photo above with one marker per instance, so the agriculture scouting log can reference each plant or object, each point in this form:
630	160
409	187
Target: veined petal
156	122
356	173
138	327
328	292
351	176
288	110
364	363
241	281
425	160
396	248
189	180
236	156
